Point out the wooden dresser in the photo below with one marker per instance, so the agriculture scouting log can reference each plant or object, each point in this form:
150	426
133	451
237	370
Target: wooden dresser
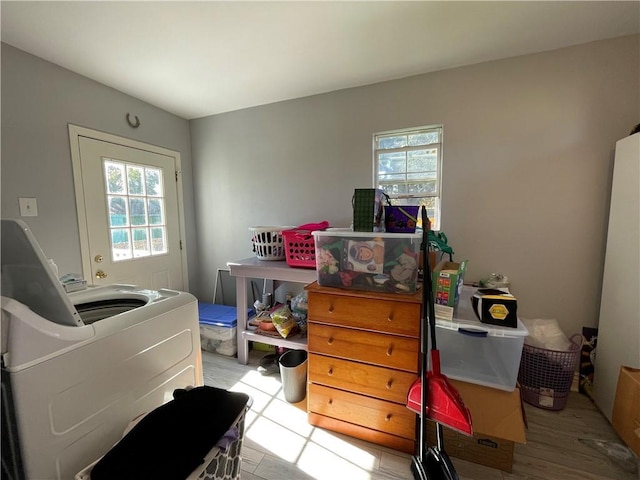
364	354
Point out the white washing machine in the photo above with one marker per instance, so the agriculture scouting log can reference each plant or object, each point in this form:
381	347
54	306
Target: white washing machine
77	368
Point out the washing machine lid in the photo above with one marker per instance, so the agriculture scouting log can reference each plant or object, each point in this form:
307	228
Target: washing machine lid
28	278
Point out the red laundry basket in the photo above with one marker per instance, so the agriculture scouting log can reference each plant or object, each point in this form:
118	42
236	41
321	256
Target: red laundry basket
299	245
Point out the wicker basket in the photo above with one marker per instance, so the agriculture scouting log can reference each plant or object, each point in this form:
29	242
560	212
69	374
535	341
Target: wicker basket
545	376
268	243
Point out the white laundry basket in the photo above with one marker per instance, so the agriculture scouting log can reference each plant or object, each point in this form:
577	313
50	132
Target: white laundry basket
268	243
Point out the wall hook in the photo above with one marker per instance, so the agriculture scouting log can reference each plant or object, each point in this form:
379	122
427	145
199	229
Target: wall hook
133	125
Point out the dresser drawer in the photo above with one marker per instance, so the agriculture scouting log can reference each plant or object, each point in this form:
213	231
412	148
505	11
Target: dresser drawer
400	318
375	348
384	383
361	410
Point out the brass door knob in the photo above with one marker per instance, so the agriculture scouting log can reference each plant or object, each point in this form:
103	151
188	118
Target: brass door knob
100	274
98	258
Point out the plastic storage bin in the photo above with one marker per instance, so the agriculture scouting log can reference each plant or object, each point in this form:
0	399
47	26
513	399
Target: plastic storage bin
380	262
546	376
478	353
218	328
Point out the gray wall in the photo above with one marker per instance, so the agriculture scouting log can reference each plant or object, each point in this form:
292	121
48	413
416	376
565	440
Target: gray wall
528	156
39	100
528	152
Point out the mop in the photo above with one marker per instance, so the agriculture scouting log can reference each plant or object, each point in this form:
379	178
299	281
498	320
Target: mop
441	400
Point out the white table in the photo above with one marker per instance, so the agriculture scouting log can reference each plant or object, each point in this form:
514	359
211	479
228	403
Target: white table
270	270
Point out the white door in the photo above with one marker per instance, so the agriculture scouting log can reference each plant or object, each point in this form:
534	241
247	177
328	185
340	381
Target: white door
129	206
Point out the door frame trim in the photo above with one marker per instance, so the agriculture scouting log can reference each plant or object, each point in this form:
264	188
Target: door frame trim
75	132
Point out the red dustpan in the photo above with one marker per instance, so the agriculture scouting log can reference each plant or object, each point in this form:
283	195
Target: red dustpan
444	404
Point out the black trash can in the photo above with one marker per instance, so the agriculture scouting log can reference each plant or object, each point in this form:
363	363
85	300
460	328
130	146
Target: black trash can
293	370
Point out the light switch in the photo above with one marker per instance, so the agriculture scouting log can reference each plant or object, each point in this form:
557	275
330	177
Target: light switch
28	207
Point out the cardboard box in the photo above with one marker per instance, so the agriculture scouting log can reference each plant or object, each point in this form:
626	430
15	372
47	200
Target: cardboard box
626	408
447	281
498	423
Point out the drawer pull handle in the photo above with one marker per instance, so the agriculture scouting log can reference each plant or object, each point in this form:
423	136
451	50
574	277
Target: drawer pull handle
389	350
330	402
388	417
389	383
390	317
330	372
331	309
330	341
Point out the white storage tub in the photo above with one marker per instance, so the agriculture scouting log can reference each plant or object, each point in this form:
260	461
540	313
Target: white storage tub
218	328
479	353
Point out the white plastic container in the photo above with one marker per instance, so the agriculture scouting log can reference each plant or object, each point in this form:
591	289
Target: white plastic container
479	353
218	328
220	340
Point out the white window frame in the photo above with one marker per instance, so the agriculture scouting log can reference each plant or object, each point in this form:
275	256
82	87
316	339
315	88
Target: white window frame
433	198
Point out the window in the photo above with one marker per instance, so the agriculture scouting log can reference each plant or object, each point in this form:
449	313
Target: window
135	201
407	167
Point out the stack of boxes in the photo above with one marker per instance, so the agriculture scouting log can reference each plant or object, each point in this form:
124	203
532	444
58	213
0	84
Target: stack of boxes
482	362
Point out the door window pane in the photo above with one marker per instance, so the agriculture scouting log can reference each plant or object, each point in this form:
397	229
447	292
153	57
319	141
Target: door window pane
114	177
158	240
153	182
137	207
156	212
135	179
118	211
120	244
141	243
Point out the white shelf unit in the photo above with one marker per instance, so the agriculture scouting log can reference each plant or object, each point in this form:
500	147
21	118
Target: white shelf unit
248	268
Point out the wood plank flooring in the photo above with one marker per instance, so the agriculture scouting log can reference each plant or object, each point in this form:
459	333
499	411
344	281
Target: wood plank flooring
576	443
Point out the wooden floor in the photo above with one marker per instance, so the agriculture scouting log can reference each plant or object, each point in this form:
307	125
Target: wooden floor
576	443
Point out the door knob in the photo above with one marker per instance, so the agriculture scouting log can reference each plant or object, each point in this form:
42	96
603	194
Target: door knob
100	274
98	258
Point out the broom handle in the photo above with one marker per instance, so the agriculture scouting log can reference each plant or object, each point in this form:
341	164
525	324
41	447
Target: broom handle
428	293
424	343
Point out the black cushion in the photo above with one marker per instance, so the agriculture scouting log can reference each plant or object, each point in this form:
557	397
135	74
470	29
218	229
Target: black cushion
172	440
